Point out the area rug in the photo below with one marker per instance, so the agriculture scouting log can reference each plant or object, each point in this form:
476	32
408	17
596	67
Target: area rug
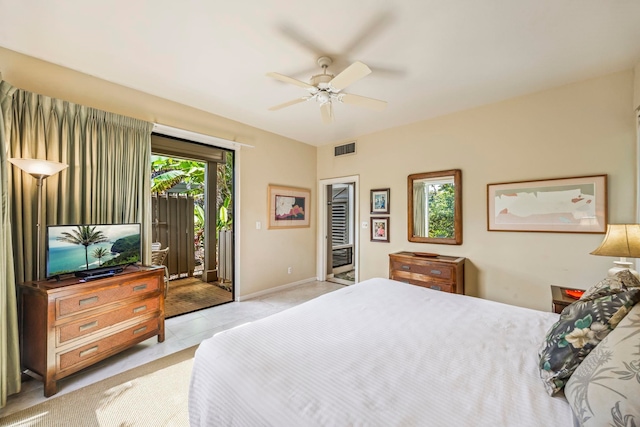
191	294
154	394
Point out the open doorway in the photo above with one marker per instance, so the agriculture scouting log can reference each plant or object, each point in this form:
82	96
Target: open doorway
338	213
192	220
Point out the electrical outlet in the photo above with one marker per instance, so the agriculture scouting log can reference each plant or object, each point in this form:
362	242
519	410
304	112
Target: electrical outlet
258	225
289	270
365	224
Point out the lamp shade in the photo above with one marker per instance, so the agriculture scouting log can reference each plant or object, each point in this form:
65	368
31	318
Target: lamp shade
38	168
621	240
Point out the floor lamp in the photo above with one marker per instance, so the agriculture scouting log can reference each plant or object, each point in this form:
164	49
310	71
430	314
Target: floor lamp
40	170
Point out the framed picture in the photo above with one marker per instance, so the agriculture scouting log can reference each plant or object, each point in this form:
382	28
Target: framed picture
288	207
380	201
379	229
562	205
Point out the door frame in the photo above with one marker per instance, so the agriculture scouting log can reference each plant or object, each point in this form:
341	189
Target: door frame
236	148
322	259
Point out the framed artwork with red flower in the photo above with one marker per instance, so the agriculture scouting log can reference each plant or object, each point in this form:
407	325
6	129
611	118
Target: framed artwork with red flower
289	207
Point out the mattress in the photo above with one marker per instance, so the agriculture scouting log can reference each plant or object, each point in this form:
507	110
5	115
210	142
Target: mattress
379	353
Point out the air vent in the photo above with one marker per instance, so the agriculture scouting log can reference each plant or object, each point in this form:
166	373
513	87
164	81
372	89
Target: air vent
345	149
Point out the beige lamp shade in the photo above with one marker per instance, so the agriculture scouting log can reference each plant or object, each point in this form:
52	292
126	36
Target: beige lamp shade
621	240
39	168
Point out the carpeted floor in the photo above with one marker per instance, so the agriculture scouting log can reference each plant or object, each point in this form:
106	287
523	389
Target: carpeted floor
154	394
191	294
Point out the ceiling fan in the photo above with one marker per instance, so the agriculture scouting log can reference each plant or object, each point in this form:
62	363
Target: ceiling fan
326	89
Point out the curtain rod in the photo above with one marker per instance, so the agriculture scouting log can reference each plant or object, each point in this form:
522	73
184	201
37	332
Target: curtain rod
198	137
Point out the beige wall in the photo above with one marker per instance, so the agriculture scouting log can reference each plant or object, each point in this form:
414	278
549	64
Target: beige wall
265	254
580	129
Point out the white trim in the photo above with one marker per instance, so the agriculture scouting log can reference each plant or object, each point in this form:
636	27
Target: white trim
236	225
198	137
321	262
276	289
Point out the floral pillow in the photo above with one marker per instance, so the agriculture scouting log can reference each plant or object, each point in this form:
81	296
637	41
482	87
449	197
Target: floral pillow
622	279
605	389
581	327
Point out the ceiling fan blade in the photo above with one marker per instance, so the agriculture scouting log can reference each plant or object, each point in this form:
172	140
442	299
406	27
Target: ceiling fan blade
351	74
291	80
287	104
375	27
326	112
362	101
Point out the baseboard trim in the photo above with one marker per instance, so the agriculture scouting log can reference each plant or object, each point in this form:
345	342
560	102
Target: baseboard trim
276	289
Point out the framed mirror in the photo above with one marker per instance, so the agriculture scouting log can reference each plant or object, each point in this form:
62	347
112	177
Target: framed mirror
435	207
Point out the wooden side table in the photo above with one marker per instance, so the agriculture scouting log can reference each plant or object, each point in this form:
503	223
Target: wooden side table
559	299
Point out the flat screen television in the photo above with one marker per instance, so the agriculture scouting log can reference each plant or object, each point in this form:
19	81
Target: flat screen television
86	249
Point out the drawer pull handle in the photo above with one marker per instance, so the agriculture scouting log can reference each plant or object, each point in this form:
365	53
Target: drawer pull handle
140	288
140	330
89	325
406	267
88	351
436	272
88	300
139	309
436	287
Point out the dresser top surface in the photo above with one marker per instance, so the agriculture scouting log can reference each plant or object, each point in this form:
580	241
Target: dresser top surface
441	258
54	285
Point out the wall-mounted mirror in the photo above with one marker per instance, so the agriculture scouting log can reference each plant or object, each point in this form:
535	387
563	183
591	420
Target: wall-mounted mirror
435	207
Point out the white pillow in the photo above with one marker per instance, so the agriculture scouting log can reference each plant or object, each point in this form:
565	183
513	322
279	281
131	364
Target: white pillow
605	388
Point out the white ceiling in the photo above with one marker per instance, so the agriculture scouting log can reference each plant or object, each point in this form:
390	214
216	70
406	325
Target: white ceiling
429	57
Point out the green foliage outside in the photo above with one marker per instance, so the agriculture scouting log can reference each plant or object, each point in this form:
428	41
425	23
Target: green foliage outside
441	199
167	172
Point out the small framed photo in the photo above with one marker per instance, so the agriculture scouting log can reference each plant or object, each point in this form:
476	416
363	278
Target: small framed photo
289	207
380	201
380	229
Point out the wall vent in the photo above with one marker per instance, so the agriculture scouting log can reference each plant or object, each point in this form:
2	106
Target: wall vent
344	149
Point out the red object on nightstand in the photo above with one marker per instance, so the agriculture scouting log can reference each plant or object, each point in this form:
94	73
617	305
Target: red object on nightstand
574	293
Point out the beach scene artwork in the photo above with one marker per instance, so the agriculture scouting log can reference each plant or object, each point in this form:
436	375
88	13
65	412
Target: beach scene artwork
72	248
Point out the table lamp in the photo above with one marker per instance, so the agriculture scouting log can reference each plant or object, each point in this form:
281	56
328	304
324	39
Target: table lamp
621	240
40	170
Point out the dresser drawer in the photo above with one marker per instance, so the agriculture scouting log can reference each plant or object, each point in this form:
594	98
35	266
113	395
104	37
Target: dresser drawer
72	304
441	271
90	325
96	349
424	281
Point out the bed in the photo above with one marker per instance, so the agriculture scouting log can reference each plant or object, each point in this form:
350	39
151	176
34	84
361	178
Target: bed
379	353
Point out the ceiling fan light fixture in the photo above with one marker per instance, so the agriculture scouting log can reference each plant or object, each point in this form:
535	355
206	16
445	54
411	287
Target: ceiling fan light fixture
324	88
323	97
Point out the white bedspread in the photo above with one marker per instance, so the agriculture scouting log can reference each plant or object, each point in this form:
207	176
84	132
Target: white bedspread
379	353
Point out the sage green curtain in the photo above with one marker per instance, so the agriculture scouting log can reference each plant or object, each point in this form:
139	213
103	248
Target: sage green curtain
419	209
108	179
9	352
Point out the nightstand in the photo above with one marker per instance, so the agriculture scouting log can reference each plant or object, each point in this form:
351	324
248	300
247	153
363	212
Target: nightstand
559	299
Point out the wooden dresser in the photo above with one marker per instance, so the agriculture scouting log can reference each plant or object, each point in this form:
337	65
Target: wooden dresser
442	273
69	325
